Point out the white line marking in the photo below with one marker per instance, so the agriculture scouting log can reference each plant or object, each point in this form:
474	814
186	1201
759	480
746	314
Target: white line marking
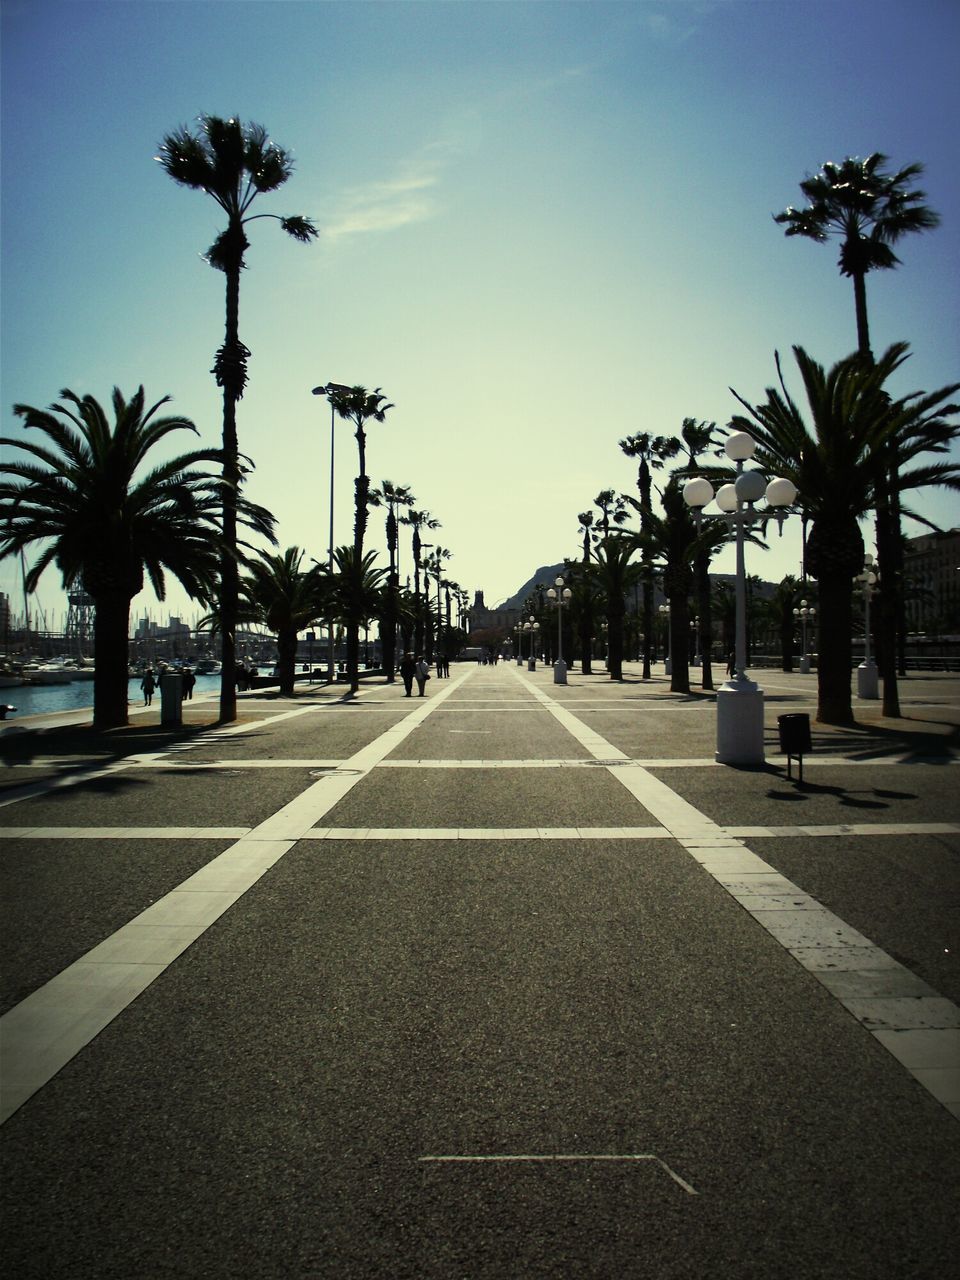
40	1035
815	938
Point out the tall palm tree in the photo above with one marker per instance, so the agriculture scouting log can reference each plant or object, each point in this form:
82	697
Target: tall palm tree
354	595
418	520
358	406
653	452
391	496
613	554
286	598
585	611
697	438
233	163
82	495
869	210
836	467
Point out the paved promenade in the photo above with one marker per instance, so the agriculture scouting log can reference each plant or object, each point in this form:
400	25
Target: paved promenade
509	981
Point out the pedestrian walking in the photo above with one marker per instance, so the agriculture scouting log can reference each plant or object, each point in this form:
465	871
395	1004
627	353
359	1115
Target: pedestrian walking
148	684
732	663
189	680
408	669
423	674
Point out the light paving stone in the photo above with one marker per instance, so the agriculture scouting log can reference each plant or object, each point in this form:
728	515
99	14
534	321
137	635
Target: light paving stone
758	902
185	908
905	1013
944	1084
757	883
923	1050
874	984
145	944
850	958
805	929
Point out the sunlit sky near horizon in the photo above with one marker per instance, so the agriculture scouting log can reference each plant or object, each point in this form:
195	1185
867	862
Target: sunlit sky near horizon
543	227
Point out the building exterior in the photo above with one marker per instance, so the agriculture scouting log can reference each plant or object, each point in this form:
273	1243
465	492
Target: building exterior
483	619
931	567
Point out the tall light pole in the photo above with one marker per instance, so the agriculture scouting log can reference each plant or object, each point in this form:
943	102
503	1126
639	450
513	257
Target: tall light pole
668	660
559	595
533	626
519	630
740	700
868	677
330	390
804	613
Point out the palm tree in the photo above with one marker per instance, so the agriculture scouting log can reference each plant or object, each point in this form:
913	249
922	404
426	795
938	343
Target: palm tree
358	405
586	519
391	496
286	598
868	210
837	467
615	573
419	520
79	495
777	611
233	163
653	452
697	437
354	595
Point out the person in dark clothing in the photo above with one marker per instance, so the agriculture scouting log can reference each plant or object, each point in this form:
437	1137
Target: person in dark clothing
408	669
189	680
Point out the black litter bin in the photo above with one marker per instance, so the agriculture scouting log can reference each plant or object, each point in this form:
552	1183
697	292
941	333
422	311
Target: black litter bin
794	732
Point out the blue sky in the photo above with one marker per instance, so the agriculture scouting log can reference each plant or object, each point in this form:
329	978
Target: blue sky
544	226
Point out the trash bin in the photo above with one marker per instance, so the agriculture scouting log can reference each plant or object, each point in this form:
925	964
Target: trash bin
171	698
794	732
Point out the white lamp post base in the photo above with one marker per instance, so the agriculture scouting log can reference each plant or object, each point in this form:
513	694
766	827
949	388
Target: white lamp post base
805	665
739	723
868	680
559	672
668	666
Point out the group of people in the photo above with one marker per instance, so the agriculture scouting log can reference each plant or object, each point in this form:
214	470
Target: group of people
149	682
419	669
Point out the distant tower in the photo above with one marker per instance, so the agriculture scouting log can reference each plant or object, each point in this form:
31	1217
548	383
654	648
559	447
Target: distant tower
79	633
478	601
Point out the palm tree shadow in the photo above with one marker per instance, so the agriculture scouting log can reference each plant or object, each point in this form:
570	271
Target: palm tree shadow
846	797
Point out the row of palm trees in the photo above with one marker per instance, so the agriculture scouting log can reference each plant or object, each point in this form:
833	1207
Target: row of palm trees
854	451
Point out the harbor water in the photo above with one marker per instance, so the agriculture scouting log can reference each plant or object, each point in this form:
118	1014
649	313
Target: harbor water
46	699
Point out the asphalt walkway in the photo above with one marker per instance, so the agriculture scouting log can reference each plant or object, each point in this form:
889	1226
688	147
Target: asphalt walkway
512	980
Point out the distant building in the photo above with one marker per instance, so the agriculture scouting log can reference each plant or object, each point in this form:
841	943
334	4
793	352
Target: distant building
931	568
481	618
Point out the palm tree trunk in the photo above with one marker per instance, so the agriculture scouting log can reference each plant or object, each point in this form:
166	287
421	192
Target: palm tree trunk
232	376
615	613
286	660
679	643
863	327
111	626
361	490
834	663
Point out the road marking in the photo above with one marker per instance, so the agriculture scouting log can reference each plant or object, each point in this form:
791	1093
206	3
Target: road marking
818	940
40	1035
561	1159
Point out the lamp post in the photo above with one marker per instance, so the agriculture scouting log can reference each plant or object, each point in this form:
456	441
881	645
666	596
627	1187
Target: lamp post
519	630
695	629
605	636
868	677
559	595
804	613
330	390
740	700
668	660
532	627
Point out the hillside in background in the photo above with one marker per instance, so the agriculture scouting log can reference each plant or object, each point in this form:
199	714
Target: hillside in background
548	573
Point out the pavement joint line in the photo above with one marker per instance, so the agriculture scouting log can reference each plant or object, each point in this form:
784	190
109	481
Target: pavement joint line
560	1158
931	1055
42	1033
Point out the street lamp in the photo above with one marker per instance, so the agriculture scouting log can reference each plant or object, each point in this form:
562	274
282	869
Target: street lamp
519	630
605	635
533	626
740	700
867	674
804	613
559	595
695	629
668	660
330	390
